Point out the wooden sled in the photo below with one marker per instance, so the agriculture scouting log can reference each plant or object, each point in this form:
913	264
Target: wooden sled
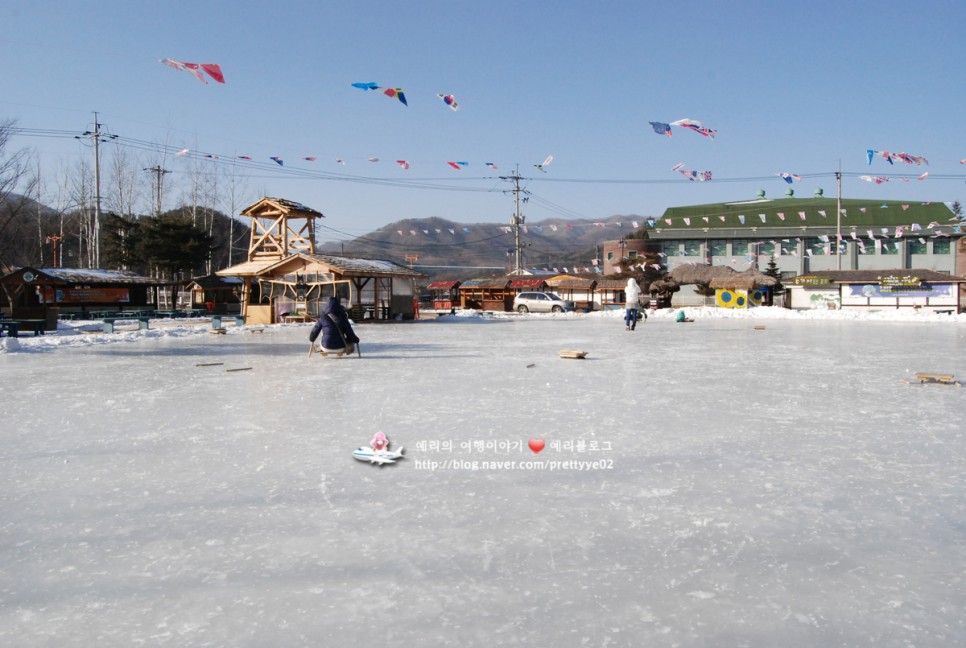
935	379
573	355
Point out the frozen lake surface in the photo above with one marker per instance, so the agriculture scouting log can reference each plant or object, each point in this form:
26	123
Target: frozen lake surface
705	484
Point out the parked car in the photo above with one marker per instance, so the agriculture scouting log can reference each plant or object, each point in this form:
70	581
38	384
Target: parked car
541	302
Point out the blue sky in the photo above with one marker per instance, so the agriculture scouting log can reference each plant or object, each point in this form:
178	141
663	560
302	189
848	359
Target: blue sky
793	87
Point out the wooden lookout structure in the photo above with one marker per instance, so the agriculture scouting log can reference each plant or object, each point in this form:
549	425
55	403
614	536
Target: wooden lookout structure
279	228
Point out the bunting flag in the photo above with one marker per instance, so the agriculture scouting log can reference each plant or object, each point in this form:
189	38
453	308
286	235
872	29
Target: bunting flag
762	217
404	164
457	165
277	160
790	177
661	128
309	158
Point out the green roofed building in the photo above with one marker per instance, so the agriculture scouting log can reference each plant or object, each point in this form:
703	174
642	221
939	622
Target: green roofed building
802	235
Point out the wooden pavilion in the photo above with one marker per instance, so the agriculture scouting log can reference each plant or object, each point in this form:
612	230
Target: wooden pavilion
285	280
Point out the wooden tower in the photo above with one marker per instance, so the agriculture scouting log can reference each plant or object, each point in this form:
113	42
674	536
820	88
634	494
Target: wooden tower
280	228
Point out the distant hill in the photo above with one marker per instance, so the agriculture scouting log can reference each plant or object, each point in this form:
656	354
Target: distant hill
445	249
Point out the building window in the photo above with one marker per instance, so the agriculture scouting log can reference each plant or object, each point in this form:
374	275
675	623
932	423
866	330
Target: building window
816	247
672	248
867	248
719	248
890	247
632	254
692	248
610	256
739	247
941	246
916	246
769	248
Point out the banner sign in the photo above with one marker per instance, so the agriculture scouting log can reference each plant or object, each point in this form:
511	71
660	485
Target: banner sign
86	295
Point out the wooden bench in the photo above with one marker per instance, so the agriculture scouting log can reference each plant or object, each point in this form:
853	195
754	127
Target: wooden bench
110	321
573	354
944	311
13	327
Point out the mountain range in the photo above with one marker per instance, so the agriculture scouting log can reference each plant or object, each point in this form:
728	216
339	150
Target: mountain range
444	249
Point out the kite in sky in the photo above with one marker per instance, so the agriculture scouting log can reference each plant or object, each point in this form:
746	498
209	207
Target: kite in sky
195	69
891	157
662	128
700	176
696	126
546	163
392	93
790	177
449	100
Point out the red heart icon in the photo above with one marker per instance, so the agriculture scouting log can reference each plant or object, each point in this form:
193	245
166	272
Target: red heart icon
536	445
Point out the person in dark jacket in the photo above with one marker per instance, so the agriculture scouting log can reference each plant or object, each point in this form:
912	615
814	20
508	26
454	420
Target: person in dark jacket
337	333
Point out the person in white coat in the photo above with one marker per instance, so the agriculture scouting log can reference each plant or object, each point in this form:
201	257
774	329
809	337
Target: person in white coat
632	302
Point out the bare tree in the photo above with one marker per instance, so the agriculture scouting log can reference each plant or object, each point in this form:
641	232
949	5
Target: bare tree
127	187
14	167
232	199
82	195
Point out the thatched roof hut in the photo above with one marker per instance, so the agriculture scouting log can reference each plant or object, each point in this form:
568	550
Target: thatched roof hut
695	273
747	280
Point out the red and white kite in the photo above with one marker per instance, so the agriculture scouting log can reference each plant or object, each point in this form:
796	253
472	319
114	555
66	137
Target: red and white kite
195	69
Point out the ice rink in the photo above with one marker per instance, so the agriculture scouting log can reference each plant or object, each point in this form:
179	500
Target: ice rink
730	482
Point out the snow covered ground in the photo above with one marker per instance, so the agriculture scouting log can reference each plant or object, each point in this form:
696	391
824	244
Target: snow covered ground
750	479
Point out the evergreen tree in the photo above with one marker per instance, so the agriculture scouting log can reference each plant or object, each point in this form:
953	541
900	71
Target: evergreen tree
772	271
120	243
174	247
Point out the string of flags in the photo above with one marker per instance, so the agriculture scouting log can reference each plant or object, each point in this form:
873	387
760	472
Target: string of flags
204	71
892	157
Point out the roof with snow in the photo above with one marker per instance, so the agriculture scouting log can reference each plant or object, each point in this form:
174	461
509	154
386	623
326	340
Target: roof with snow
77	276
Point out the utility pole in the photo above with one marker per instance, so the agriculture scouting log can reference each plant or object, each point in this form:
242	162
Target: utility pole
838	220
159	174
516	220
95	136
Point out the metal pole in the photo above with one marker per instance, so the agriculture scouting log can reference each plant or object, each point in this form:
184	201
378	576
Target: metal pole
97	195
838	220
